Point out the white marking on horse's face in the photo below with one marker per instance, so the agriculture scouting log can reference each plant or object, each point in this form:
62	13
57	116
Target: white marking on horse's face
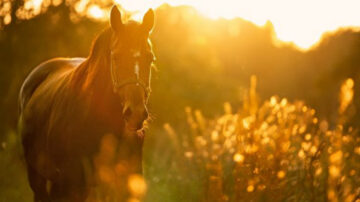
137	69
136	54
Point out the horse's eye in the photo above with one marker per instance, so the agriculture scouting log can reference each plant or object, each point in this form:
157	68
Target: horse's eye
151	58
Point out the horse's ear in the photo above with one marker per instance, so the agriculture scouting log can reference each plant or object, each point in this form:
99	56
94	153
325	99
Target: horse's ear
115	19
148	21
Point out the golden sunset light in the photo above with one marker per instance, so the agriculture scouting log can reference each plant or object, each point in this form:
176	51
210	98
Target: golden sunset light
96	12
180	100
302	22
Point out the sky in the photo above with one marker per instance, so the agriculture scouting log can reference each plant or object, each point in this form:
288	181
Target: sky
299	21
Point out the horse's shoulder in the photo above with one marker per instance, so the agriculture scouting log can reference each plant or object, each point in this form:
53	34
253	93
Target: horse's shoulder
40	73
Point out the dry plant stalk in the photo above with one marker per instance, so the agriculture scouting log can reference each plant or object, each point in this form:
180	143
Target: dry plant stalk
279	151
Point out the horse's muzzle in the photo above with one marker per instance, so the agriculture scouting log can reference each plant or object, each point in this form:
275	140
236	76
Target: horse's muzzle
134	118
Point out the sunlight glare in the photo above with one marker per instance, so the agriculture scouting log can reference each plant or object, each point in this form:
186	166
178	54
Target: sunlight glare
34	5
37	3
81	5
95	12
299	22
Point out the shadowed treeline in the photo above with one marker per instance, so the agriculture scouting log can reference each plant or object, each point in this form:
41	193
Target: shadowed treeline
220	56
201	63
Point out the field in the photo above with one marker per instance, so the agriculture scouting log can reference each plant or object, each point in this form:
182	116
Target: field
262	151
235	116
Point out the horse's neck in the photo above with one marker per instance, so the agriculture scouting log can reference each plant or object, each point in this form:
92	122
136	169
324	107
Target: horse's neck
93	75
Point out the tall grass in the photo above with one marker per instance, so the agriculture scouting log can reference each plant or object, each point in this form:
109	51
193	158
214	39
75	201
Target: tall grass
276	151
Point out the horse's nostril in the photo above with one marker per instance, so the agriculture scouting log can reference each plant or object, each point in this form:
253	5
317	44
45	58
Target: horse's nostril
127	112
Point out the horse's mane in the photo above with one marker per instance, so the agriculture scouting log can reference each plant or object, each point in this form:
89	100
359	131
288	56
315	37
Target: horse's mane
98	57
100	45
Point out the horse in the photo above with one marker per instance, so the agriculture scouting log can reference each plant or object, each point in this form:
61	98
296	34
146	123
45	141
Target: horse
68	104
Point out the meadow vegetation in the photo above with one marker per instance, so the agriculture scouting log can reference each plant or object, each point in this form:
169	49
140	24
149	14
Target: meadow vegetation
290	134
274	150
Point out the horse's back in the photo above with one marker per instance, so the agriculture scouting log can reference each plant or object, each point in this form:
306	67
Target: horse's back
36	107
41	73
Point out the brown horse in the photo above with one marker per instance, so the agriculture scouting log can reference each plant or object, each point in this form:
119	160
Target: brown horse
68	104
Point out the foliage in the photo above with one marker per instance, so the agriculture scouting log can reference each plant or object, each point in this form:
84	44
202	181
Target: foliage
279	151
14	185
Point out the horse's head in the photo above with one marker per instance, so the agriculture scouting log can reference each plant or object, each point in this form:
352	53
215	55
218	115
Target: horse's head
131	62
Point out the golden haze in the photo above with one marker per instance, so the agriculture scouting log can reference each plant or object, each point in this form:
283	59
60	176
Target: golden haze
302	21
299	22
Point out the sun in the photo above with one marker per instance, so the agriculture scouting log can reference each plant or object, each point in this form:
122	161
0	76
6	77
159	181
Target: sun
301	22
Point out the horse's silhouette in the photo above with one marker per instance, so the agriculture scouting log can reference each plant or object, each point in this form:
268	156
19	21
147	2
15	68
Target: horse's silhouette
68	104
